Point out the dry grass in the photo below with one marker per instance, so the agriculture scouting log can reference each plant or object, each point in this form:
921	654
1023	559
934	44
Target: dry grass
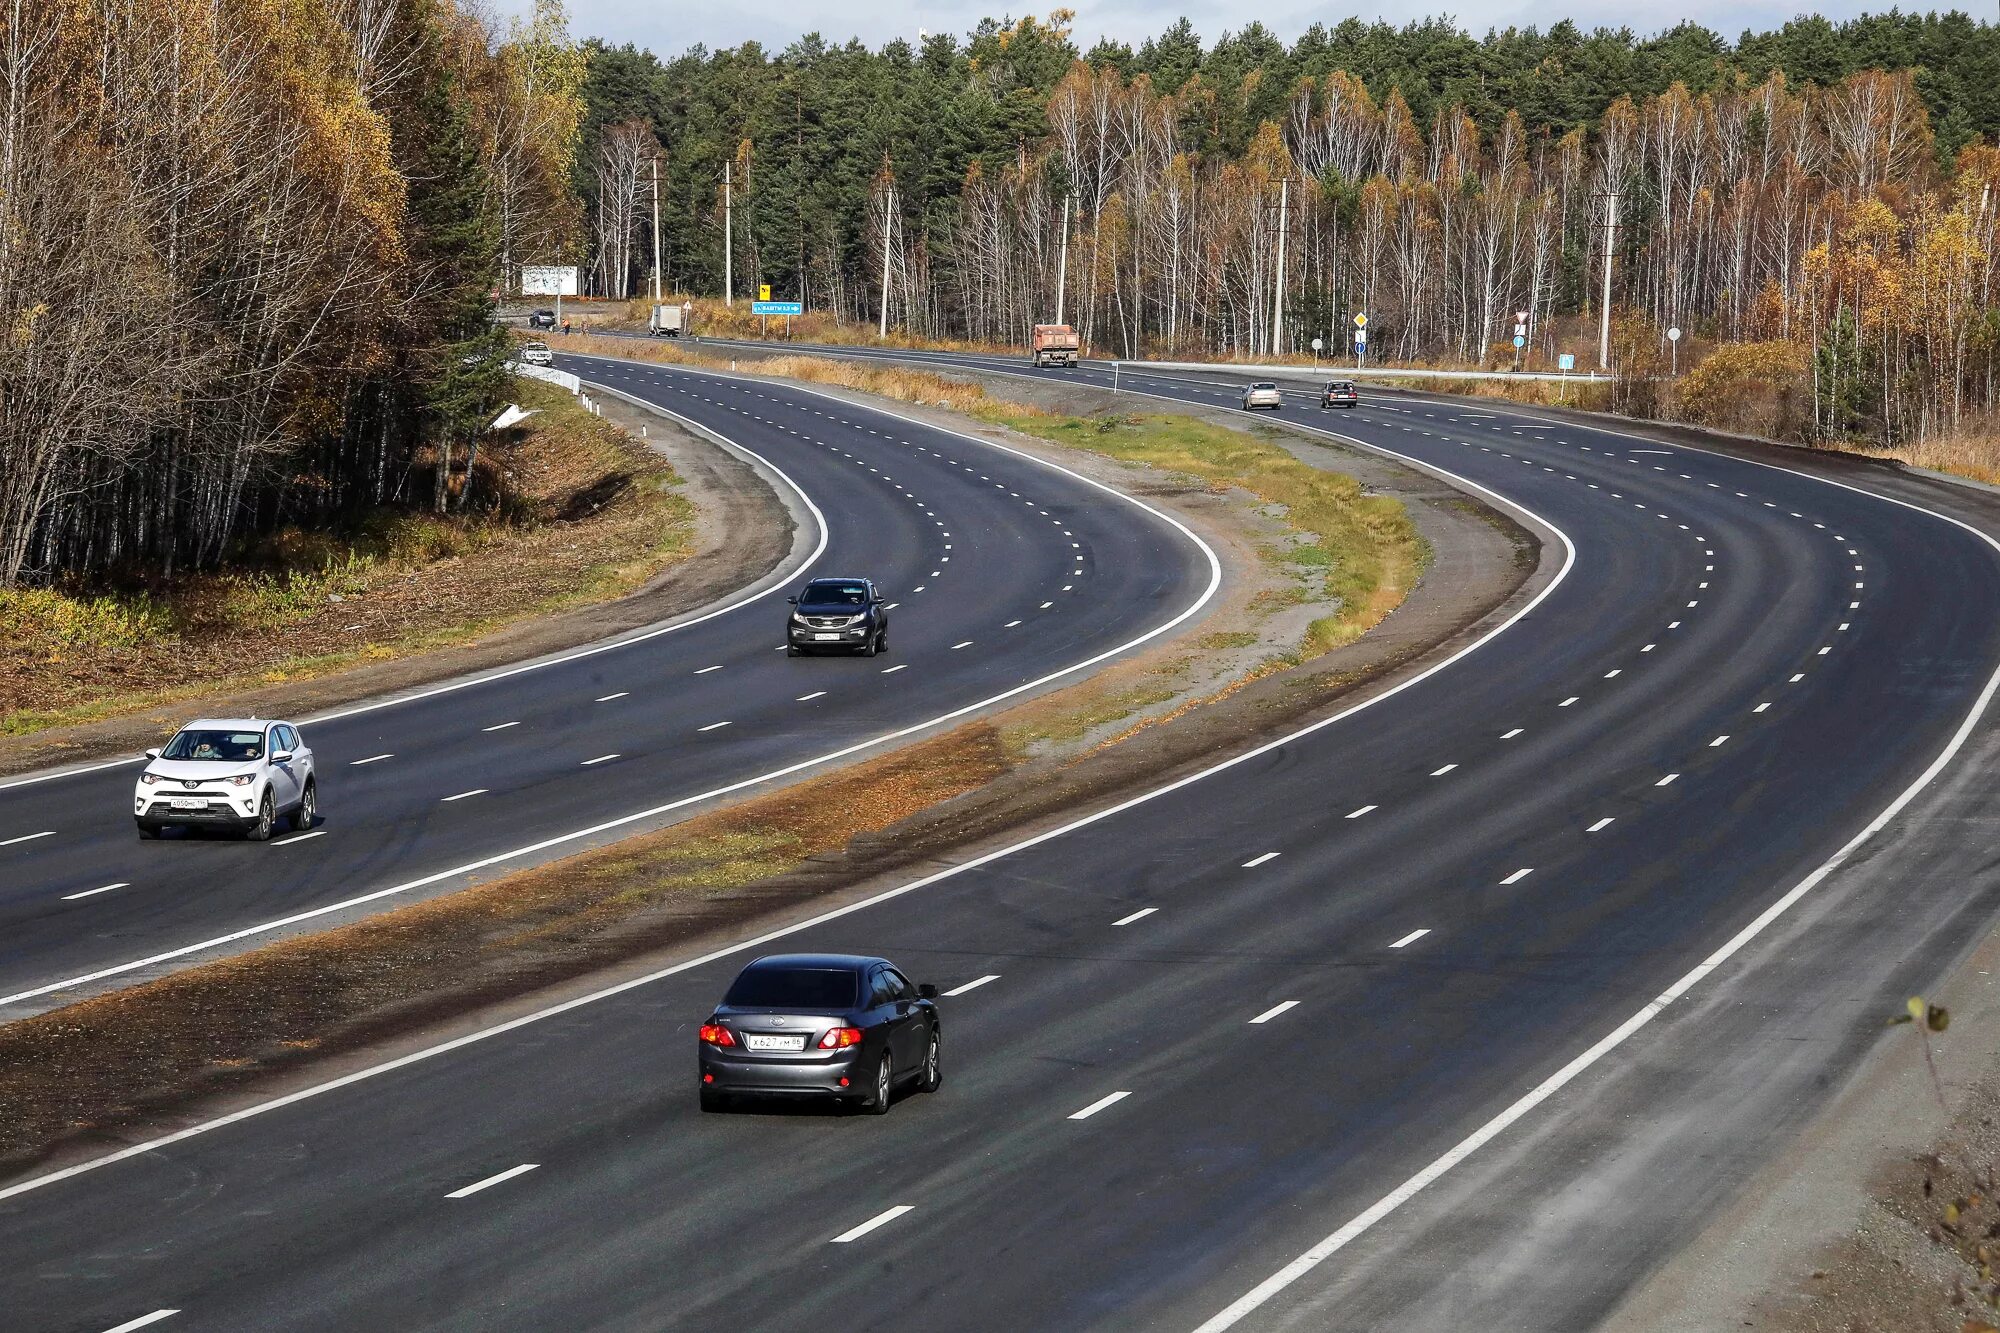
587	514
1975	454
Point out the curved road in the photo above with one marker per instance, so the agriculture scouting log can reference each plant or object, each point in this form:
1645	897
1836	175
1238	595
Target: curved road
1204	1045
1003	572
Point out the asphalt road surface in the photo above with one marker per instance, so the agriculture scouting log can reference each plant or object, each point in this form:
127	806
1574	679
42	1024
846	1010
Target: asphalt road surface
1001	571
1210	1054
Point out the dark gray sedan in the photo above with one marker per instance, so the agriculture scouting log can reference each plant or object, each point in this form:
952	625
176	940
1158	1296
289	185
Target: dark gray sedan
833	1026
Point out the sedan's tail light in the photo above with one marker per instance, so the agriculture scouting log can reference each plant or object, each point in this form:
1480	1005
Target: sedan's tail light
717	1035
836	1038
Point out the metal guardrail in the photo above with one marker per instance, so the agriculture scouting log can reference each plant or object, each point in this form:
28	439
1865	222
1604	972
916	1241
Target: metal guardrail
1333	370
553	376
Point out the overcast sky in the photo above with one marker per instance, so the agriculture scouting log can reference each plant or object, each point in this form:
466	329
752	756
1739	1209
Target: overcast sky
669	27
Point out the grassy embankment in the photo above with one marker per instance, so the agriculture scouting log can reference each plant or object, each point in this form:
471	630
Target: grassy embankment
583	514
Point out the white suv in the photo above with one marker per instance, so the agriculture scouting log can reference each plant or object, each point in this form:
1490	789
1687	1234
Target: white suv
237	773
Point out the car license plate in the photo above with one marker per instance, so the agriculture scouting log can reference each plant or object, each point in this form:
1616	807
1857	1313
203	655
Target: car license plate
770	1041
826	638
186	804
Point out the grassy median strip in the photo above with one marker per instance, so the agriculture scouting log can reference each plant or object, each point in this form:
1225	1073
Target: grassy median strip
108	1063
105	1062
1359	553
570	512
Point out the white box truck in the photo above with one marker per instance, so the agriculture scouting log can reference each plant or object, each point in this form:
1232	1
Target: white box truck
667	321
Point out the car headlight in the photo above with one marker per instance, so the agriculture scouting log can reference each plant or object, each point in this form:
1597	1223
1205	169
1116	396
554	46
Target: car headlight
241	779
149	778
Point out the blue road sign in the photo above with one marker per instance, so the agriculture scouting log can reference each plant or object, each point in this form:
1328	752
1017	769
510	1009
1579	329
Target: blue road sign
1566	361
777	307
1519	341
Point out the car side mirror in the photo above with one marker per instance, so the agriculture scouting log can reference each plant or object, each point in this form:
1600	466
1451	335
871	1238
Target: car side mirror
282	757
927	992
875	601
152	754
793	600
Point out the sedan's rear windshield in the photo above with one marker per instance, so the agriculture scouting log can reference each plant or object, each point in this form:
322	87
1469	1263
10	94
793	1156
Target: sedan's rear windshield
1263	386
230	747
836	594
793	988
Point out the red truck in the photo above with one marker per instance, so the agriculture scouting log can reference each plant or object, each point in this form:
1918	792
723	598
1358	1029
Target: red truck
1055	345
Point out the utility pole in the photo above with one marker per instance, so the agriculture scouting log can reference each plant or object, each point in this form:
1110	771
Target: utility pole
656	228
728	237
888	232
1062	264
1604	311
1278	310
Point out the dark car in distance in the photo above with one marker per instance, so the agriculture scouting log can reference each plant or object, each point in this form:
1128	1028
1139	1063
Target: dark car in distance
542	319
1340	393
831	1026
842	614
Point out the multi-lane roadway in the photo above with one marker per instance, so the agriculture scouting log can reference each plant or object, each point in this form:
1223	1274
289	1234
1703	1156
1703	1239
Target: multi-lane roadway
1006	574
1209	1053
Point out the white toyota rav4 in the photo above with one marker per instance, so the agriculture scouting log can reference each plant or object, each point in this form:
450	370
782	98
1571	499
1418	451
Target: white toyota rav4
241	774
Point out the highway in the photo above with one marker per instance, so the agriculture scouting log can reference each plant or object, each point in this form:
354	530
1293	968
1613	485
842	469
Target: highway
1005	573
1204	1048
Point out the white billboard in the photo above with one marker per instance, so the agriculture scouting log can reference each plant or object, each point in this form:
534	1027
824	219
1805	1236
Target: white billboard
548	280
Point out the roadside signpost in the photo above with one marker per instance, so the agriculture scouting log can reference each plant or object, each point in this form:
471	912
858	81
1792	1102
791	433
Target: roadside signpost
1520	335
1360	338
1674	351
764	305
1319	345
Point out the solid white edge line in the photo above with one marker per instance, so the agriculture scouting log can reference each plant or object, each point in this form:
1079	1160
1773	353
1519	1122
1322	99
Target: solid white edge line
490	1181
856	1233
776	579
653	812
973	984
143	1321
27	837
1257	1296
1098	1105
729	950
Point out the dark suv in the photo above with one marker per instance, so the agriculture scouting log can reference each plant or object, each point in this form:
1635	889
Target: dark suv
1340	393
820	1025
845	614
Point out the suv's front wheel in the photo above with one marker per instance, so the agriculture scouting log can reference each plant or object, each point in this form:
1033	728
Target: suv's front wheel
266	816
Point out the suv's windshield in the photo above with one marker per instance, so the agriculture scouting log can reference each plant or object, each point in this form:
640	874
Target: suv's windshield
793	988
834	594
231	747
